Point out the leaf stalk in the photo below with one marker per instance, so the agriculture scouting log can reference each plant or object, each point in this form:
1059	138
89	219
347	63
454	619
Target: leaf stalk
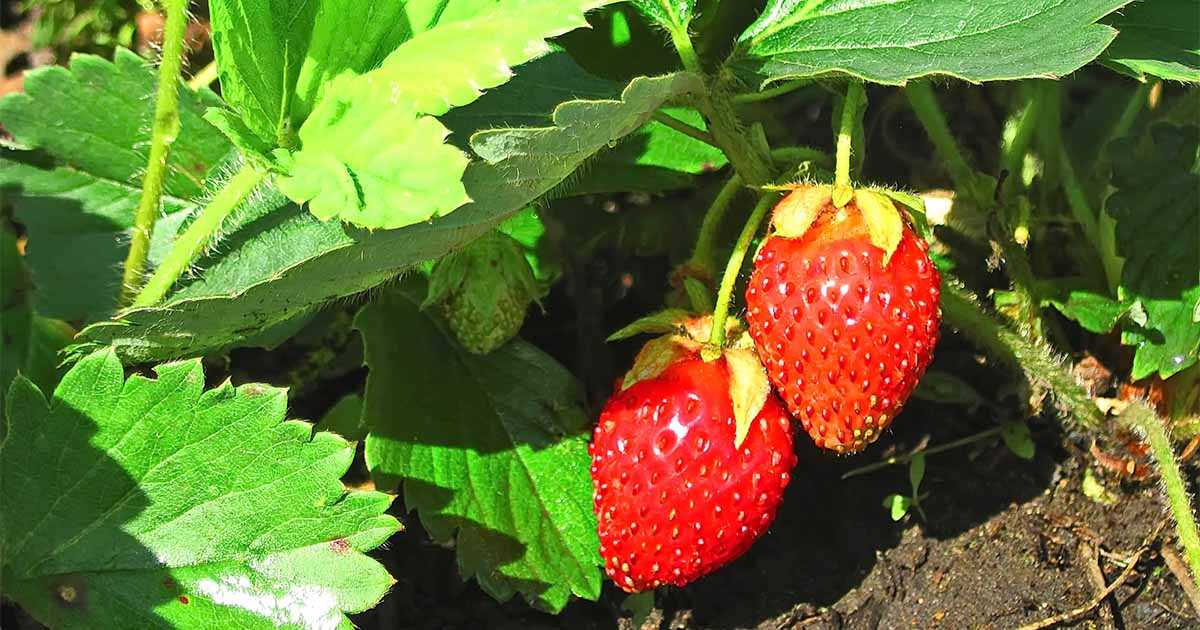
163	132
1143	418
729	280
198	235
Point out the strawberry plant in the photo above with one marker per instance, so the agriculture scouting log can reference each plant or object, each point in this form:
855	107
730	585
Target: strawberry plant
440	229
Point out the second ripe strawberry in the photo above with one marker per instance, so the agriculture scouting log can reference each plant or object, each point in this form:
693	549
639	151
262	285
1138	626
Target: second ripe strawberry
844	327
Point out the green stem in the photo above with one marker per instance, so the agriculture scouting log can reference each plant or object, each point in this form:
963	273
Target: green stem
842	189
1041	366
795	155
1141	417
163	132
941	448
197	236
1132	110
687	52
716	340
752	163
204	77
1013	155
770	93
706	241
925	106
684	128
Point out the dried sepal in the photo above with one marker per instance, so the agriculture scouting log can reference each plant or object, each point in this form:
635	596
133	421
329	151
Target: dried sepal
796	212
884	223
748	388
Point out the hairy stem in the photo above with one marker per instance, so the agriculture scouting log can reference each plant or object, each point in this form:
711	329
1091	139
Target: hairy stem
729	280
684	128
925	106
197	235
687	52
163	132
842	189
706	242
750	161
1041	366
1142	418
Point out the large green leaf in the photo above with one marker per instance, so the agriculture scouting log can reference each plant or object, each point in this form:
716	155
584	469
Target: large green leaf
286	262
277	58
359	162
151	503
1157	212
1158	38
341	170
892	41
491	448
652	159
76	194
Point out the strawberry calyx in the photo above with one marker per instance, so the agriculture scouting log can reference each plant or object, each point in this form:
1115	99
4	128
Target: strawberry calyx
807	203
685	336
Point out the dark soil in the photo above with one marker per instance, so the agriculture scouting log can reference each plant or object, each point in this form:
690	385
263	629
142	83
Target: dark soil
1008	542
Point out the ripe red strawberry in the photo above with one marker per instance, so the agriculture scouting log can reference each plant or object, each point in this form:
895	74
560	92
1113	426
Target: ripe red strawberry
674	497
844	336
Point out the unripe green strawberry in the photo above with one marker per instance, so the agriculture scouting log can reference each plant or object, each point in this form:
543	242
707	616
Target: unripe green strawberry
843	310
484	291
689	464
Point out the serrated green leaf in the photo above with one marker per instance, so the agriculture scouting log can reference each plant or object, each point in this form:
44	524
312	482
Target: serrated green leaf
890	41
1096	313
373	163
89	125
1158	38
284	264
485	49
492	450
673	15
1154	204
278	58
340	169
654	158
169	506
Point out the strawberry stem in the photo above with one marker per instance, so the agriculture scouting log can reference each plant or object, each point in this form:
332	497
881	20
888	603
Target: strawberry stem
163	132
842	190
1142	418
706	241
925	105
716	340
197	236
668	120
